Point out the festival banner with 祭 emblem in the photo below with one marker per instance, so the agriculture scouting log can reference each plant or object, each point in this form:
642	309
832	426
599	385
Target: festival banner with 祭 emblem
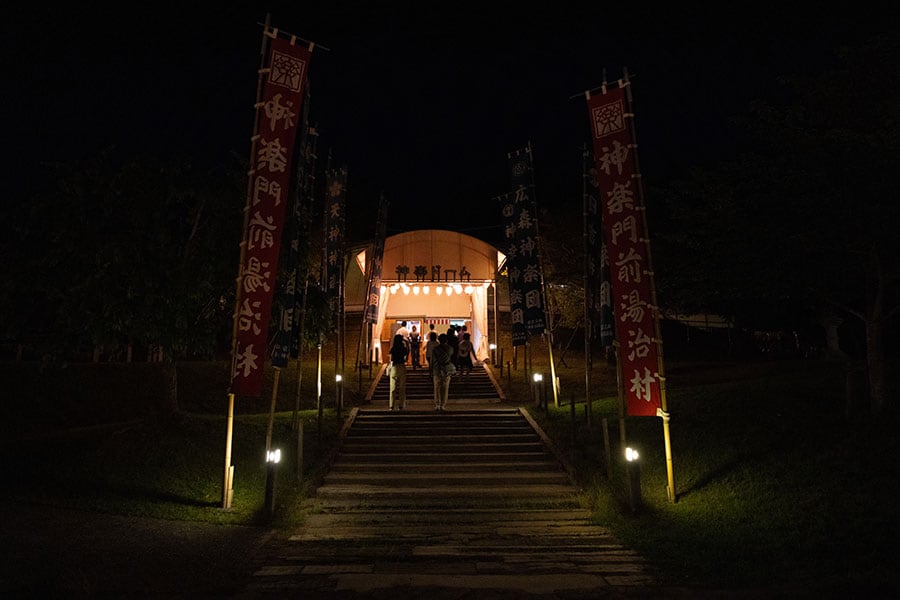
523	265
335	207
278	114
622	214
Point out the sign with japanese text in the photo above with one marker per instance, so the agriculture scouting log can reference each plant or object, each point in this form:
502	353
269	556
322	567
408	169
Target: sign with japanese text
335	206
523	265
278	114
374	298
598	290
287	342
622	214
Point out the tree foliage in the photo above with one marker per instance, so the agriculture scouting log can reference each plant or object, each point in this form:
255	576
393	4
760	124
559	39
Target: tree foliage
805	220
126	252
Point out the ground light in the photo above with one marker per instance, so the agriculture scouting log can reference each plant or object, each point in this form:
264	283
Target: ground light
537	389
273	457
339	394
633	470
493	348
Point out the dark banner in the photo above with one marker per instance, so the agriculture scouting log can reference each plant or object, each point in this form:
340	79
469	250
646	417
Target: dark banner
523	265
277	116
287	336
335	222
622	214
376	265
597	287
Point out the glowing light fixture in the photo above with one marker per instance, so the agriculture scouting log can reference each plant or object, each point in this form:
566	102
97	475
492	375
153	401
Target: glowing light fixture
415	290
426	290
273	456
631	454
439	290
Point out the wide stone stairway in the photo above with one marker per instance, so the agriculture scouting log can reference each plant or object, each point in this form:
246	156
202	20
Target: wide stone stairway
477	385
462	504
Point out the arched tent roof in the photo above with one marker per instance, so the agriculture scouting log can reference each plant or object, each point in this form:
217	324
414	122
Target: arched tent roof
449	255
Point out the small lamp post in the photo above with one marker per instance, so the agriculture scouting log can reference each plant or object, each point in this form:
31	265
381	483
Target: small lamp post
273	457
538	388
338	394
493	348
633	469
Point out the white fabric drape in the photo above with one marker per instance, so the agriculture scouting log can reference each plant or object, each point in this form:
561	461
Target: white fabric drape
479	322
379	325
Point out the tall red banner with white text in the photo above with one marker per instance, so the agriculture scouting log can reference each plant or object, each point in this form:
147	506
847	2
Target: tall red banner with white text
278	115
622	207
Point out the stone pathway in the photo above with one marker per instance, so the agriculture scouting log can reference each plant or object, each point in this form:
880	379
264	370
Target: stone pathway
461	504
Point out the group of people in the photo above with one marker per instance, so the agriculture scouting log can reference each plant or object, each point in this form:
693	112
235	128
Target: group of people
446	354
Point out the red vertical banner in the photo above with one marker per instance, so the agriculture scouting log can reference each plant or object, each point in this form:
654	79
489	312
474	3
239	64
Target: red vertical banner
278	115
622	209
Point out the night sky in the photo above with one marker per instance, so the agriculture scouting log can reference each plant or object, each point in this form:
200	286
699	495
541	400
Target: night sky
420	103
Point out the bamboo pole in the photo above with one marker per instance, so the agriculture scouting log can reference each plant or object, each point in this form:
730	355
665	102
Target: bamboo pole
588	362
228	478
271	424
663	410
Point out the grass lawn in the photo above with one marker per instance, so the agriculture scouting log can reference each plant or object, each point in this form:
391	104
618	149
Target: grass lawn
776	487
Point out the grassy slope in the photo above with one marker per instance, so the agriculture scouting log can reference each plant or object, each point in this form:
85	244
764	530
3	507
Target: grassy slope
776	488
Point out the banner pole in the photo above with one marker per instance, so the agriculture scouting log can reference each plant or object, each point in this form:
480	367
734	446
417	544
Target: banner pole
229	472
227	482
663	410
588	359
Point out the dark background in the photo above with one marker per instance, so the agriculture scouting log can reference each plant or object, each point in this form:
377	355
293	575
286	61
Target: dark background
420	103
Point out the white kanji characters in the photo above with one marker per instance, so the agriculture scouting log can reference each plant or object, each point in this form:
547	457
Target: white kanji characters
276	112
531	274
286	71
632	307
261	229
533	299
515	296
262	186
641	386
629	266
626	227
248	317
615	157
255	275
528	246
518	316
245	361
525	220
638	344
271	156
608	118
620	198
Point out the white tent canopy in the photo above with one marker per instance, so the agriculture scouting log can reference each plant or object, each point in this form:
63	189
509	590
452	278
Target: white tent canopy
430	274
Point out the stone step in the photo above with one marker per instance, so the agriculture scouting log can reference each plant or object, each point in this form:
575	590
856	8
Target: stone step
483	516
447	493
443	438
436	479
441	457
342	466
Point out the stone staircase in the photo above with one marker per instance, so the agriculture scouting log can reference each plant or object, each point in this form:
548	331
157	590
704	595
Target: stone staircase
477	385
462	504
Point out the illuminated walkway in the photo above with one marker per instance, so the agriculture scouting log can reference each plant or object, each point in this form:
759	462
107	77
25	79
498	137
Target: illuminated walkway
470	503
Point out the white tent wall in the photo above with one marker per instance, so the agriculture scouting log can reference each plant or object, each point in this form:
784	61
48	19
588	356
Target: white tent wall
449	258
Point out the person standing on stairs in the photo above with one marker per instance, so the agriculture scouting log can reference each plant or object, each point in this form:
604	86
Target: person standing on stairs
399	352
465	351
415	347
442	368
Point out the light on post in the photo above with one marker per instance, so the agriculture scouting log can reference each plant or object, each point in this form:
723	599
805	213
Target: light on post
273	457
633	469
